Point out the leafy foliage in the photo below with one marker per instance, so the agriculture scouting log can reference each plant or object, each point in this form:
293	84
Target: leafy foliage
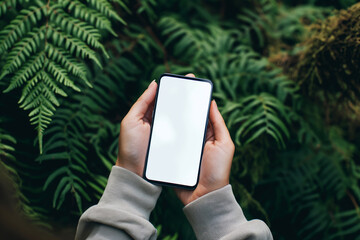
5	144
291	108
271	23
330	57
42	42
79	124
309	179
11	179
235	69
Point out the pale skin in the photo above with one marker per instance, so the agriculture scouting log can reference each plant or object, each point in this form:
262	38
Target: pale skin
218	150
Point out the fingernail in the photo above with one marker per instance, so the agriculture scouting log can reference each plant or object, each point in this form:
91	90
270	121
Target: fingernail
151	83
215	102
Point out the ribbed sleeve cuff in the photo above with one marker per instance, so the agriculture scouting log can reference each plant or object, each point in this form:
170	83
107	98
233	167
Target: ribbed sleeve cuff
215	214
126	190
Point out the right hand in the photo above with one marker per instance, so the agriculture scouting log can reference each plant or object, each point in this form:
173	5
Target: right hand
216	161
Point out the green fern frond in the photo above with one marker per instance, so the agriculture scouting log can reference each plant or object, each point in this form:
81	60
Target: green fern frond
30	85
34	64
60	75
20	26
348	224
77	28
23	49
13	181
6	142
148	6
304	182
186	39
255	93
50	38
69	63
89	15
5	5
260	116
39	95
122	5
65	177
73	45
78	125
106	9
271	21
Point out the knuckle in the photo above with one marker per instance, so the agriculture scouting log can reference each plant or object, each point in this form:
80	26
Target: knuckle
123	122
231	145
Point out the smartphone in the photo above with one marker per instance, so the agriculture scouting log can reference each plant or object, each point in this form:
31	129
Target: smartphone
178	131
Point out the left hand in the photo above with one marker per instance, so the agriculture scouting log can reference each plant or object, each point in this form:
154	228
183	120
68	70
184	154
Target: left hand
135	132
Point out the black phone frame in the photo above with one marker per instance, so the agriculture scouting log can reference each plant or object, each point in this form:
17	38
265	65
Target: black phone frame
168	184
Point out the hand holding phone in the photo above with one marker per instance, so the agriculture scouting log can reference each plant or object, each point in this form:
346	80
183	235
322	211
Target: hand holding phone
178	130
217	155
217	158
135	132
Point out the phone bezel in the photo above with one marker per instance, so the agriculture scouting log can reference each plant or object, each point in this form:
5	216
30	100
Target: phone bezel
169	184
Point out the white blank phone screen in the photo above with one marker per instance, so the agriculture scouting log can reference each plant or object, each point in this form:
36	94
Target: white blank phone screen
178	131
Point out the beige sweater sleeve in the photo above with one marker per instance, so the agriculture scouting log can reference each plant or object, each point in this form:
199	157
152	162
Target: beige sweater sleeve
217	215
123	211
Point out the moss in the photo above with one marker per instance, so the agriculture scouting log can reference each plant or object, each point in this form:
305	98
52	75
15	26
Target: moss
330	64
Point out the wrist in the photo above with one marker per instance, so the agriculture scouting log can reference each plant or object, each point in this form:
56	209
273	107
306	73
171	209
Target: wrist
191	198
130	167
201	191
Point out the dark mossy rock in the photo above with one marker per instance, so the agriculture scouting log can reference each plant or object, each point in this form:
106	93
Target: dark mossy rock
330	65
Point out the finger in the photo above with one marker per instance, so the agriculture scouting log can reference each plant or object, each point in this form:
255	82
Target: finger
209	132
221	132
141	106
149	111
190	75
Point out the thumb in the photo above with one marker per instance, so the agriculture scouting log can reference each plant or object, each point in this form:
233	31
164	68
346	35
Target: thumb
143	103
221	132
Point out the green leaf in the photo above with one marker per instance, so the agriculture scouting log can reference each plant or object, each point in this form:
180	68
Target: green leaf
55	174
